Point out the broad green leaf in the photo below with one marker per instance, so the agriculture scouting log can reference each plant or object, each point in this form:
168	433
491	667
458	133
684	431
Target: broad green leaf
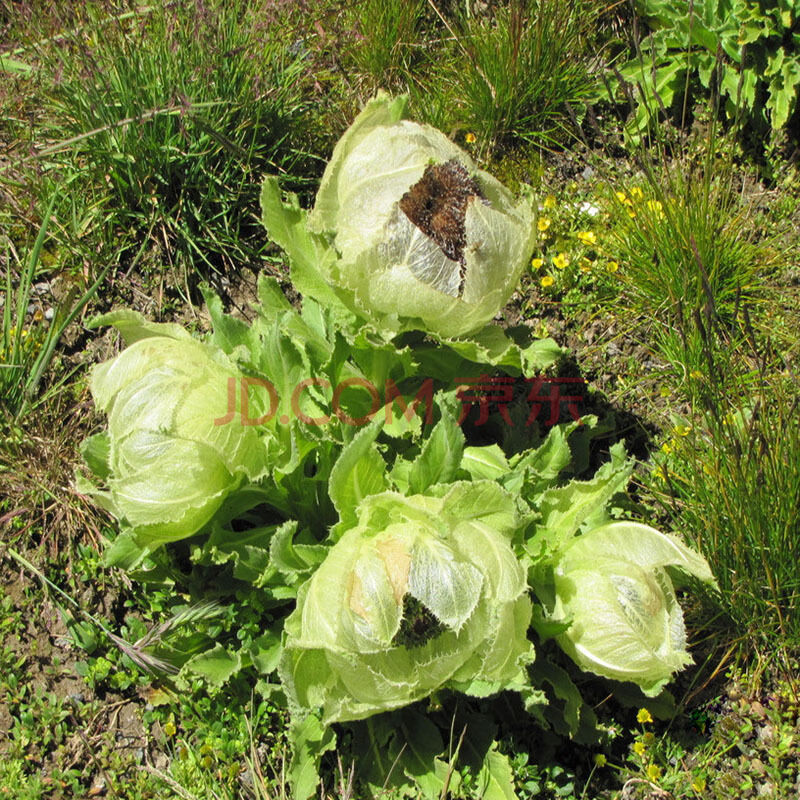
440	456
216	665
265	652
96	452
310	741
487	462
359	472
544	671
308	254
496	778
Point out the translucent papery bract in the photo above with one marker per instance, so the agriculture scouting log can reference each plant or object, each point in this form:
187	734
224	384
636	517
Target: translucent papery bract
178	442
399	274
626	622
350	649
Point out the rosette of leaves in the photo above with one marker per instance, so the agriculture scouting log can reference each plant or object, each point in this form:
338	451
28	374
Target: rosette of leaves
423	592
747	49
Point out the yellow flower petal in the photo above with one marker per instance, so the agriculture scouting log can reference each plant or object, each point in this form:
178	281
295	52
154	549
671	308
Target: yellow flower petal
547	280
561	261
653	772
470	138
612	266
549	201
644	716
587	237
543	224
537	263
637	193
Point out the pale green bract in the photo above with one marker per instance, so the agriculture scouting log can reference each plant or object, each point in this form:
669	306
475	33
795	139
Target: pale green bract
170	457
613	585
398	276
348	650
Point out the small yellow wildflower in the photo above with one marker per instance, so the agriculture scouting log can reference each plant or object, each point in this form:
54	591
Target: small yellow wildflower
586	265
696	374
561	261
543	224
656	207
699	785
588	238
653	772
537	263
612	266
169	727
547	280
600	760
549	201
682	430
470	138
24	333
623	198
640	748
631	213
644	716
637	193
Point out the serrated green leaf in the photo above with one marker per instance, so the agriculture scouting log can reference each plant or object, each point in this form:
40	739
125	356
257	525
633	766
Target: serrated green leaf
440	457
358	472
564	510
545	671
286	225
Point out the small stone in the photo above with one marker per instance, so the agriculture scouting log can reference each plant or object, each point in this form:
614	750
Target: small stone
765	733
757	766
41	288
767	789
49	313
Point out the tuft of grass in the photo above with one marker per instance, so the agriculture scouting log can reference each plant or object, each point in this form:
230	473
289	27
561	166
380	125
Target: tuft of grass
386	39
515	71
176	110
27	341
731	481
688	260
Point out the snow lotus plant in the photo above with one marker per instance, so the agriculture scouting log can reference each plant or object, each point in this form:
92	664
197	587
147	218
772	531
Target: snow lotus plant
167	459
424	592
612	586
406	229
